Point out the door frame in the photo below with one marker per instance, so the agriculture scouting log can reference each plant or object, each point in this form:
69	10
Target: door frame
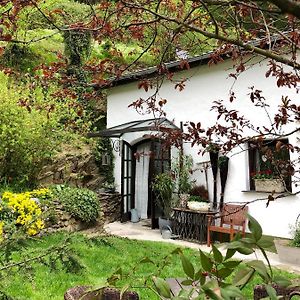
128	179
130	189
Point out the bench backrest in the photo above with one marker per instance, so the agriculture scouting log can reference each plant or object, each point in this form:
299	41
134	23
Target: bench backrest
236	213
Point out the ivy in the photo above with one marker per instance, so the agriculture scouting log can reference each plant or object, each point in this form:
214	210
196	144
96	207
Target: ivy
77	46
104	147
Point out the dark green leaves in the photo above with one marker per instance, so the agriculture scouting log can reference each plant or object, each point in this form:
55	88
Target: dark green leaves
260	268
162	287
255	228
243	276
217	254
187	266
205	261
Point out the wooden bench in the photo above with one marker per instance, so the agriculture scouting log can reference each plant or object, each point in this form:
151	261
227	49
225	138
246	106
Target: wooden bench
232	220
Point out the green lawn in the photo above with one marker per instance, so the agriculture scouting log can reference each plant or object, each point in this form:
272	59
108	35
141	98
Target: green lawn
100	258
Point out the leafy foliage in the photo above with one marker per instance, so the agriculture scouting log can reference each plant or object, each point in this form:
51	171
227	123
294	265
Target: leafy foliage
27	137
104	147
220	277
81	203
199	191
182	169
77	46
163	186
296	235
59	12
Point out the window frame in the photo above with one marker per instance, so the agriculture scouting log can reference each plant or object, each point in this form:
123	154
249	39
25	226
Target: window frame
252	161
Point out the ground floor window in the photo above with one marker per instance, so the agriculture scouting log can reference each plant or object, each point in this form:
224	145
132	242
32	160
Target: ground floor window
270	159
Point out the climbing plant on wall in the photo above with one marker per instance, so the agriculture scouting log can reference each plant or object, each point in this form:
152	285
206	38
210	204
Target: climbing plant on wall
104	158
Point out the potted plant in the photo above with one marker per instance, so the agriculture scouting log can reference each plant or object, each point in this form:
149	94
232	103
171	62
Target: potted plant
198	199
289	250
182	169
267	181
163	186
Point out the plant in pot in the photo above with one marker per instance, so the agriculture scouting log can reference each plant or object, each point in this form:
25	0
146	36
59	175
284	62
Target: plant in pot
163	186
289	250
182	169
198	199
267	181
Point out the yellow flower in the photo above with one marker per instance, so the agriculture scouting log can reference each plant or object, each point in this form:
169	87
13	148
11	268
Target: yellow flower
26	210
1	231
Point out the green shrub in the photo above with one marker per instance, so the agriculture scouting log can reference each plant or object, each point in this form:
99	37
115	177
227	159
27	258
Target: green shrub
296	236
81	203
28	137
60	12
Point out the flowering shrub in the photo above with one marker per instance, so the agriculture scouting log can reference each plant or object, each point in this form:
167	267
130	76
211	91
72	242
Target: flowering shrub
266	174
22	210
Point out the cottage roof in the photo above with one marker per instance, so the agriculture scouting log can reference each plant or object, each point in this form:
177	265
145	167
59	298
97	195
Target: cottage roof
176	66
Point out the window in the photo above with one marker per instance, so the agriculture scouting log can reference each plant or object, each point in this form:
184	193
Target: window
272	158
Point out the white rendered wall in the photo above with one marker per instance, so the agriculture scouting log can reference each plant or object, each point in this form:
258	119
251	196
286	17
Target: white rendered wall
205	85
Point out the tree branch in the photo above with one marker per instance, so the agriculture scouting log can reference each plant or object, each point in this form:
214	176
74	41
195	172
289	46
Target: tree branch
287	6
246	46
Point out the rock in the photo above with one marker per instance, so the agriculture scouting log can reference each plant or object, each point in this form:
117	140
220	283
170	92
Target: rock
75	166
110	204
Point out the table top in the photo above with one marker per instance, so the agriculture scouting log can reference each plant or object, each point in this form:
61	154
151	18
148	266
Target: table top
207	212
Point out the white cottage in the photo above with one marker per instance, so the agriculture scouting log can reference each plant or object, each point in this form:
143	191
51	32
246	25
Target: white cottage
135	169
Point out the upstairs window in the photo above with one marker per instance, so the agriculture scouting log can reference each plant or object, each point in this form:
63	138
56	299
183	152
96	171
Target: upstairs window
270	158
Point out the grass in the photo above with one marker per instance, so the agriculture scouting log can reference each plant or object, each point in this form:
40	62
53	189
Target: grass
100	258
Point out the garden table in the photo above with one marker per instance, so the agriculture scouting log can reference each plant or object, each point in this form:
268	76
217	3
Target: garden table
191	224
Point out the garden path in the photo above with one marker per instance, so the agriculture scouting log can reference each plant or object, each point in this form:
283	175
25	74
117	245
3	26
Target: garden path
142	231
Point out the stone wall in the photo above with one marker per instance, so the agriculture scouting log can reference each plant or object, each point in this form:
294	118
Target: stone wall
75	166
110	206
109	212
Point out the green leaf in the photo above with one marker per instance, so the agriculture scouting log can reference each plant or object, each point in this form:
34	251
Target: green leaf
217	254
205	261
224	272
260	268
248	241
243	276
234	245
265	244
229	253
255	228
230	292
188	268
198	275
271	292
177	251
232	263
187	282
212	295
282	281
245	251
162	287
185	294
146	260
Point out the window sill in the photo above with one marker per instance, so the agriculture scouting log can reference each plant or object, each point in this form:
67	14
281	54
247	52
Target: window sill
255	192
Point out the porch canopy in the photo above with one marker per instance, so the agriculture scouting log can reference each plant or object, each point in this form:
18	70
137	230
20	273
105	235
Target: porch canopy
135	126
